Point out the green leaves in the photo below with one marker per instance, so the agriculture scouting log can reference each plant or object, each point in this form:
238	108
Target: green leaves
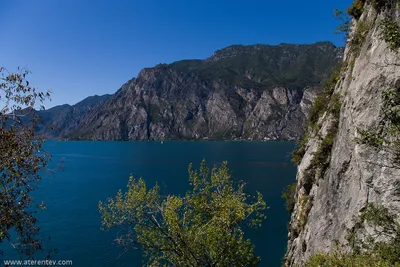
21	160
361	32
379	5
367	249
391	105
344	27
370	138
387	135
391	34
327	101
262	66
203	228
356	9
288	194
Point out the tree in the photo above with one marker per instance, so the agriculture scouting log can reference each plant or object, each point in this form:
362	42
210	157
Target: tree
345	20
21	160
202	228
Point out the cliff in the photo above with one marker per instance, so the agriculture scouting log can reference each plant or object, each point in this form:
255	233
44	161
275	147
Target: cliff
345	167
59	121
254	92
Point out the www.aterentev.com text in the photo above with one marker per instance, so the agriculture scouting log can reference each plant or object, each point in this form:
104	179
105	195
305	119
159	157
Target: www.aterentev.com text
37	262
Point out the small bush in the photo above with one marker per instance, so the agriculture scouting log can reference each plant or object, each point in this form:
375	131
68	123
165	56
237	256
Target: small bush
343	259
391	105
317	109
288	194
386	136
345	19
298	154
308	179
321	102
335	105
304	210
379	4
320	105
391	34
379	216
385	224
356	9
323	153
370	138
367	251
351	64
360	35
330	84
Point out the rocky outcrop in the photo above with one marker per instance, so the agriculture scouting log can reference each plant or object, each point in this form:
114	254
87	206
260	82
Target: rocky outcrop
356	174
61	120
242	92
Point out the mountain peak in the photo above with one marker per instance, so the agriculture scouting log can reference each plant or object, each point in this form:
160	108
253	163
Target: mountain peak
235	50
92	100
223	97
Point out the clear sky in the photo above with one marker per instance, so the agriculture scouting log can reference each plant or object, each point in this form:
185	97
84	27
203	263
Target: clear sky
78	48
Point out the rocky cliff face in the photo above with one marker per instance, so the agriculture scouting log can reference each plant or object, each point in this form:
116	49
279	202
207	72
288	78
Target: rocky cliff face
333	191
61	120
241	92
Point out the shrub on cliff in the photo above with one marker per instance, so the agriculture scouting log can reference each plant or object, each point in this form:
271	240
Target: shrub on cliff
380	249
288	194
356	9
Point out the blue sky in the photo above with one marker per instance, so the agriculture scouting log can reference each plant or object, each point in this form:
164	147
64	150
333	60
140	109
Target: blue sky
78	48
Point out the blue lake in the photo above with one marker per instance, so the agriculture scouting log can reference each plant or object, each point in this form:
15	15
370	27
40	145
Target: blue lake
94	171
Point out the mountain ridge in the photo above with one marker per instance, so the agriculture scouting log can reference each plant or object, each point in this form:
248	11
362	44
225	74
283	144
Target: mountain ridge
255	93
62	119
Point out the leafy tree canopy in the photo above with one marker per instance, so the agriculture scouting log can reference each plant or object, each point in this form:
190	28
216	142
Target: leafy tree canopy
21	160
202	228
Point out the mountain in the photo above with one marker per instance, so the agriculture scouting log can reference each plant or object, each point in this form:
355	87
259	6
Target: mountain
59	121
240	92
347	197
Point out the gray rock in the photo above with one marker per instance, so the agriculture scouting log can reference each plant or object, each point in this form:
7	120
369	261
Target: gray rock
357	174
241	92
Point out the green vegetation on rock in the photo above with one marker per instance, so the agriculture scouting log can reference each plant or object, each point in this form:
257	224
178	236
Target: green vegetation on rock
356	9
263	66
321	157
289	193
340	259
379	4
298	153
380	248
305	204
391	34
360	35
326	101
387	135
374	238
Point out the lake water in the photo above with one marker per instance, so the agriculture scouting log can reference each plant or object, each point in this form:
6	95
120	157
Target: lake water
94	171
